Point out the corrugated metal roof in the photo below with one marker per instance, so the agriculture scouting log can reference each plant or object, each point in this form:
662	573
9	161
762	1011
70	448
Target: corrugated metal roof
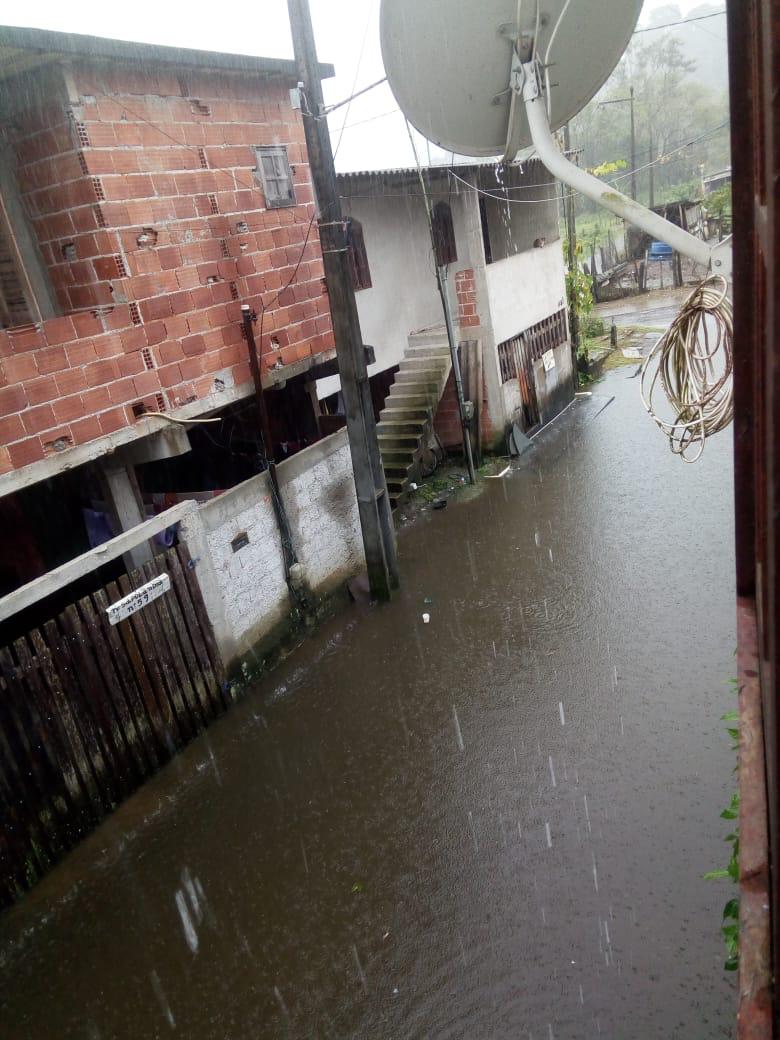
23	49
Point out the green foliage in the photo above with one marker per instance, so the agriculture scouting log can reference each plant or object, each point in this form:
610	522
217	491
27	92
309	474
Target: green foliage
605	168
671	107
730	925
592	326
718	203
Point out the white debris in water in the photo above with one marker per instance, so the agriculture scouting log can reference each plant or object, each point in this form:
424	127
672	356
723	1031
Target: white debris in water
549	835
552	771
162	1000
561	713
359	967
426	618
587	814
537	538
622	730
190	934
458	734
280	1001
595	873
582	995
473	832
550	555
544	916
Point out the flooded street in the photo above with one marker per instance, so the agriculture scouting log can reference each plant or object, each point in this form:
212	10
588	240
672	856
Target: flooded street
494	825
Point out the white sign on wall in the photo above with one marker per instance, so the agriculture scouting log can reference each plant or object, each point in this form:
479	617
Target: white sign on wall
138	599
548	360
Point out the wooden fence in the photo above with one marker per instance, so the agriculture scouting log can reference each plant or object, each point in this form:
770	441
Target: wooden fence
89	710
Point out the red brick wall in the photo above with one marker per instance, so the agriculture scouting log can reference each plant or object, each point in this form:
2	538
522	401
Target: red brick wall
446	422
158	322
466	291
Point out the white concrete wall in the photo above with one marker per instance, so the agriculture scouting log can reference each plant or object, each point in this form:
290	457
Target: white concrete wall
525	288
403	297
319	494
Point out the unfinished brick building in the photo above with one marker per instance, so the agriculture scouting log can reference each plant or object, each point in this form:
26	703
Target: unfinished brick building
147	192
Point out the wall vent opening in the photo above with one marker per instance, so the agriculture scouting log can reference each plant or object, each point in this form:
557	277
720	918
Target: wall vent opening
135	314
213	203
121	267
146	354
99	218
83	163
82	134
97	184
204	162
199	108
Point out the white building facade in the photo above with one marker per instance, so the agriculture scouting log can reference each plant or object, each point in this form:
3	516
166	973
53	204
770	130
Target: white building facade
498	232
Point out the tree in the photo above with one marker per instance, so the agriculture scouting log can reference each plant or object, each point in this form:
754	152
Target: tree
671	109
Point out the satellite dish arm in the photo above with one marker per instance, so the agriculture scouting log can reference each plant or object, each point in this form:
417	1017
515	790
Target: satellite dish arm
718	257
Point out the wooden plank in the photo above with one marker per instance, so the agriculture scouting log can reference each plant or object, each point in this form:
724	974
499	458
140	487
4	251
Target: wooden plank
63	787
165	606
97	703
39	815
188	565
77	568
156	713
198	679
16	872
149	759
203	661
114	687
86	805
146	644
61	676
163	659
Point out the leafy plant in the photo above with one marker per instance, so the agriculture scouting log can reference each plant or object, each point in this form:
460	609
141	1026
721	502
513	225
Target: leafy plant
730	925
605	168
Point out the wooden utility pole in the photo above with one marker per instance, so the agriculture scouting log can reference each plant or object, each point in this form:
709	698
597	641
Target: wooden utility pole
376	519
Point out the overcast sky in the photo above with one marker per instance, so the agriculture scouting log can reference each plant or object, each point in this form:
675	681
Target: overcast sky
347	35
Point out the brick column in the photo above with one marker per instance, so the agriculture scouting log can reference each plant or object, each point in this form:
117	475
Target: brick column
466	291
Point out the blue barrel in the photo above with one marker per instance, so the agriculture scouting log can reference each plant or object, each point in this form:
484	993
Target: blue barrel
660	251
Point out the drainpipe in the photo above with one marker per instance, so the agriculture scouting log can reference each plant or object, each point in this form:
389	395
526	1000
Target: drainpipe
292	568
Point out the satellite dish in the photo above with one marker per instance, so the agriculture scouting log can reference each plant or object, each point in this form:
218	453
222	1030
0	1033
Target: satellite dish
449	63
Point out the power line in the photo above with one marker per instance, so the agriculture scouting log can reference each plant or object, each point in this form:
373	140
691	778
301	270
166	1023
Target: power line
682	21
354	82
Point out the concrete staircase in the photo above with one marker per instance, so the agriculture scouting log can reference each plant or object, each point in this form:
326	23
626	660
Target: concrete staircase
406	421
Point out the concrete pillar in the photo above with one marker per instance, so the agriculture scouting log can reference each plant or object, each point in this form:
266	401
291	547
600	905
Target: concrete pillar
123	499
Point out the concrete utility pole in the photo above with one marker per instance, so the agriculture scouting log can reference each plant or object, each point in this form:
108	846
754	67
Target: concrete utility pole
376	519
571	235
622	101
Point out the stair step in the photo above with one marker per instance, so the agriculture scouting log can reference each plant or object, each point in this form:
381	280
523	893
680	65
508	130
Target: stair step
435	363
432	376
428	350
433	337
412	412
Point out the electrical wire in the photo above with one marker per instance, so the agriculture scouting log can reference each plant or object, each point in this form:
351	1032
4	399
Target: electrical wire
354	82
683	21
692	364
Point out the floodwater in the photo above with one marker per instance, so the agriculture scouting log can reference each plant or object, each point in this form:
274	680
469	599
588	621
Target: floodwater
494	825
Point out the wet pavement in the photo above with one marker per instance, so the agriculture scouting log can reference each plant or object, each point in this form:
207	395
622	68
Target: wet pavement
494	825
